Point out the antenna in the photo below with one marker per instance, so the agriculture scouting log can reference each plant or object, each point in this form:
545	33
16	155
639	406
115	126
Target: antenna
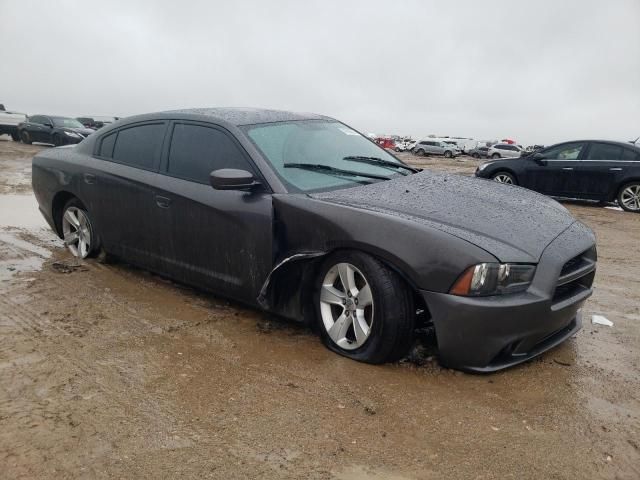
634	141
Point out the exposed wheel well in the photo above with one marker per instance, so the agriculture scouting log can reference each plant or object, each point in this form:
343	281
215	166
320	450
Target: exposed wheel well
59	201
293	304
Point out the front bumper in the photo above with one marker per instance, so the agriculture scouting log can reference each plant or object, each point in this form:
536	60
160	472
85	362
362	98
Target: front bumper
485	334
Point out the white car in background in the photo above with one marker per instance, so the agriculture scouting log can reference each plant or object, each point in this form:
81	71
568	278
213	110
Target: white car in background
504	150
9	123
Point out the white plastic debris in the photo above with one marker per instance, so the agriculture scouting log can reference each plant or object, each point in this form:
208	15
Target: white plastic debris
600	320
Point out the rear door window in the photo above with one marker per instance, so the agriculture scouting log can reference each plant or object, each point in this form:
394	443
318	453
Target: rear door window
604	151
139	146
630	156
197	150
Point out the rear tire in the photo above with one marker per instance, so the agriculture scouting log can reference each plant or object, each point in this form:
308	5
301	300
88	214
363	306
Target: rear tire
15	137
25	137
420	152
448	154
78	232
377	296
629	197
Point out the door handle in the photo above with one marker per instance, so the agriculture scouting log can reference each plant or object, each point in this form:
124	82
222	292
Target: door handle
163	202
567	168
615	169
89	178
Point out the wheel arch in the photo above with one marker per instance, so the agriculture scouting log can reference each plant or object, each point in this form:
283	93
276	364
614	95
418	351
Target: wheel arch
301	269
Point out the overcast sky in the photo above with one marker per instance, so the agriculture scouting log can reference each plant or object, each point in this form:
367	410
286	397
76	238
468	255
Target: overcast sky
537	71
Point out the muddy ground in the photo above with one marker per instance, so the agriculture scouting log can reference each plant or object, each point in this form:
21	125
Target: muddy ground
109	372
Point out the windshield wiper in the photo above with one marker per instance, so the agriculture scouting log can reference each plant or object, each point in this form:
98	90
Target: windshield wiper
318	167
381	162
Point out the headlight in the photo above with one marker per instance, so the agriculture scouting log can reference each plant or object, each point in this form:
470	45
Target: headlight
482	166
72	134
494	279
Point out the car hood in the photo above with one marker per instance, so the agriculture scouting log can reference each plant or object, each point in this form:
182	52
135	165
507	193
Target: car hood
510	222
83	131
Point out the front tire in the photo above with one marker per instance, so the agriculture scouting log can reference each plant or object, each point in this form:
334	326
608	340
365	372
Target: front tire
505	177
77	230
420	152
629	197
448	154
364	310
495	155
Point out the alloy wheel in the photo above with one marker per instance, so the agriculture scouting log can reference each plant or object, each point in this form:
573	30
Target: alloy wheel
630	197
346	306
76	230
503	178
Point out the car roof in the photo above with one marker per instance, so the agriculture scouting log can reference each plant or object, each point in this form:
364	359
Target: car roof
248	116
613	142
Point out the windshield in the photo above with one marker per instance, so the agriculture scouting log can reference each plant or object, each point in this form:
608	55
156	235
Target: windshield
67	122
320	142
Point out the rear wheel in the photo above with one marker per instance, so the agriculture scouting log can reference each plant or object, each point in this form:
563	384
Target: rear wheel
364	310
629	197
420	152
25	137
505	177
448	154
15	137
77	230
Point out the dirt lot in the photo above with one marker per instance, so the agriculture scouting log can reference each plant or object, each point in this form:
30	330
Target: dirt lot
107	371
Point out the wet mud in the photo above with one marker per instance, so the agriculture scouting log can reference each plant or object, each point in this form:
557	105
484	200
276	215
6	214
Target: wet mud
107	371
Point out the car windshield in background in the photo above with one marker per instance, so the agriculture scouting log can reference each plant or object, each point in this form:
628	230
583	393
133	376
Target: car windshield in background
67	122
318	155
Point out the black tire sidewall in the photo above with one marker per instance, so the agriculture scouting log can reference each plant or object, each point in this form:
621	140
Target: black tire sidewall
25	137
95	241
384	309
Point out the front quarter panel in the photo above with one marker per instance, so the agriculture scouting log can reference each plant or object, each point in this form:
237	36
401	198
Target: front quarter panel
428	258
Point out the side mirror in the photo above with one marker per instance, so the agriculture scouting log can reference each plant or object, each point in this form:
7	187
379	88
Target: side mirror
232	179
539	158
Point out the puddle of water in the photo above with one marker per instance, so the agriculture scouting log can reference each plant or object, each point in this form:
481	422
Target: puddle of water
20	211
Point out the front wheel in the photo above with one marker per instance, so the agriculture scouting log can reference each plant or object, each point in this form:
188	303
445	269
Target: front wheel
448	154
629	197
505	177
495	155
364	310
420	152
77	230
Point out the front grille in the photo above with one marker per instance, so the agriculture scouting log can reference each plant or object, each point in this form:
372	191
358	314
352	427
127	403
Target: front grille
576	276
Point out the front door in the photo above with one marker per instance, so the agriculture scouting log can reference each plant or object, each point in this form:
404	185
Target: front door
552	170
221	239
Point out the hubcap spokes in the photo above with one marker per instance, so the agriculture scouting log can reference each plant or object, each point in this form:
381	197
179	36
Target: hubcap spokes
503	179
631	197
76	232
346	306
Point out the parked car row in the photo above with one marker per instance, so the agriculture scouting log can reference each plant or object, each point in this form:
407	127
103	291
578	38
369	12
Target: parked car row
599	170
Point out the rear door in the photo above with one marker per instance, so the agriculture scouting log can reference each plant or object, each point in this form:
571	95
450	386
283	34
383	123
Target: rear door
596	174
221	240
122	185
